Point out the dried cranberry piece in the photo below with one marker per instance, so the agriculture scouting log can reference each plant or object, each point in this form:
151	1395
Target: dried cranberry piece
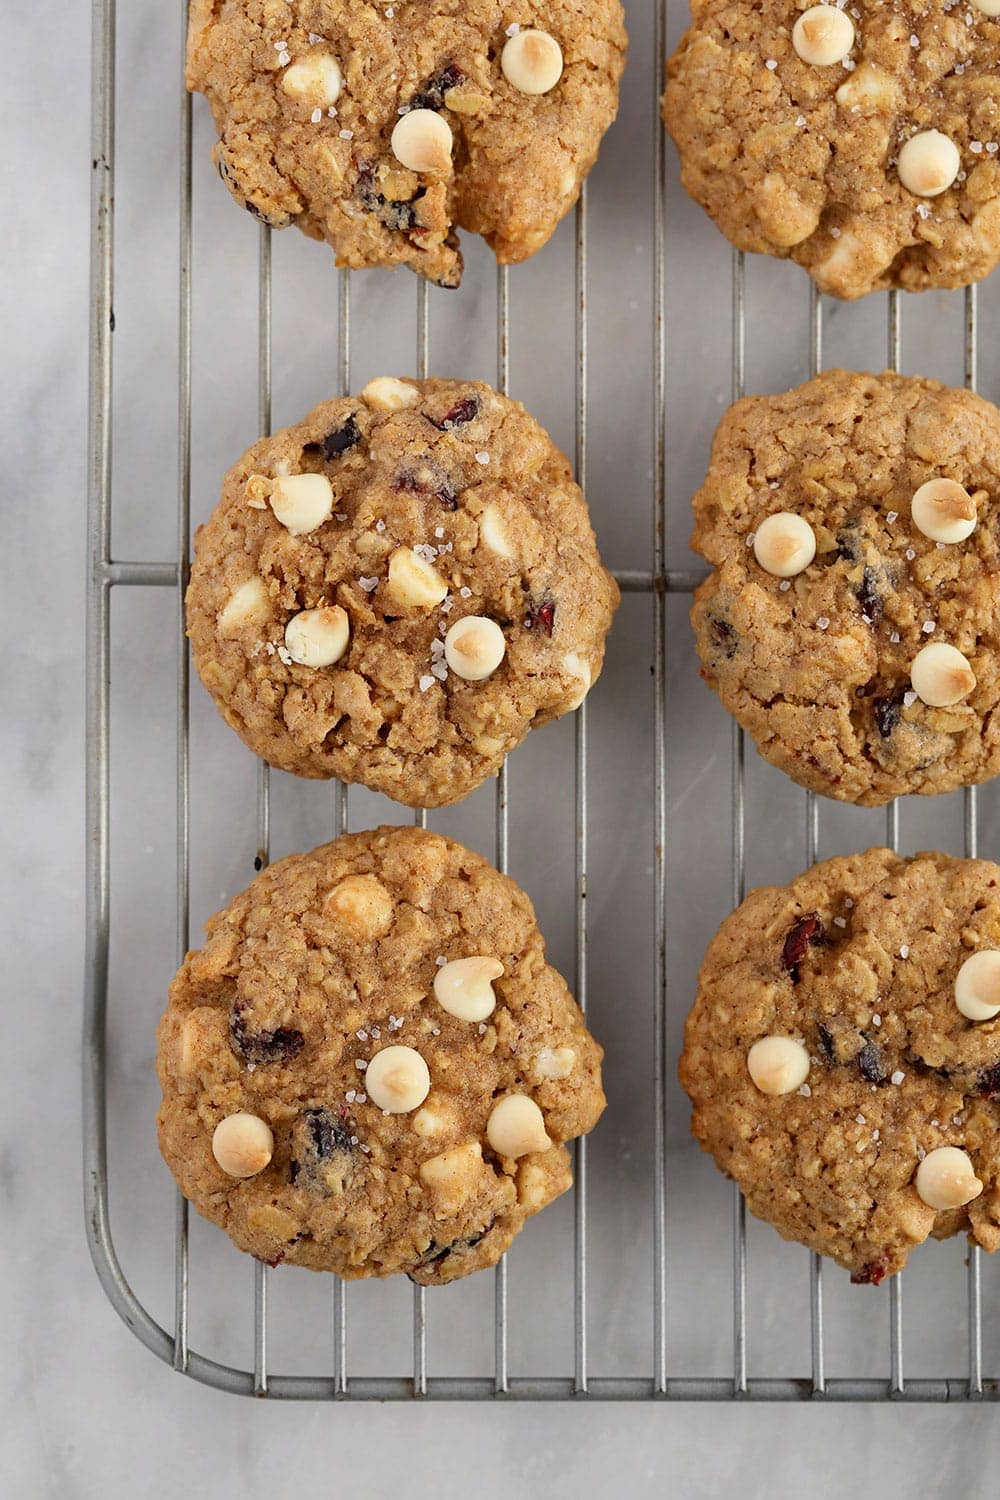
872	1273
888	711
431	96
428	479
988	1082
322	1138
448	280
465	410
870	597
435	1254
341	439
807	931
329	1133
264	1046
871	1063
847	545
541	617
277	220
723	636
398	213
395	213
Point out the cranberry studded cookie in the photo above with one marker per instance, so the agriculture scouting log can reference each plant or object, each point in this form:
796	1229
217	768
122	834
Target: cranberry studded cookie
851	622
397	589
860	140
370	1067
384	128
843	1056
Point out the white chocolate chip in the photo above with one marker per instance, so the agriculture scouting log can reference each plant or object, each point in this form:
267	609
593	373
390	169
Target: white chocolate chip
364	904
397	1080
988	7
532	62
197	1039
492	533
516	1126
386	393
315	79
302	502
318	637
413	582
944	511
576	667
464	987
432	1120
977	986
534	1188
941	675
869	87
823	35
474	647
256	491
784	544
422	141
928	163
555	1062
247	605
778	1065
946	1179
242	1144
453	1176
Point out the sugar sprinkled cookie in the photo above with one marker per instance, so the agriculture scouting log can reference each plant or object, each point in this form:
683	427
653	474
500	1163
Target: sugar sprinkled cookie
843	1056
862	141
370	1067
851	621
384	128
397	589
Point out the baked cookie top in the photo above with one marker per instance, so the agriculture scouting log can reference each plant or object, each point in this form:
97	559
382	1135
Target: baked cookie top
852	620
843	1055
383	128
397	589
861	141
370	1067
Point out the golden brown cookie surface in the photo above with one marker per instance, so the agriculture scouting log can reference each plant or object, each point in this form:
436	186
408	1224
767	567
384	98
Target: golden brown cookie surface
831	1069
852	619
370	1067
397	589
384	128
861	141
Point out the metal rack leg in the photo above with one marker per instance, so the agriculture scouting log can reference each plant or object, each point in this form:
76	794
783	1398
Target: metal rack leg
500	1366
739	873
660	744
342	814
183	795
580	755
812	855
894	329
971	820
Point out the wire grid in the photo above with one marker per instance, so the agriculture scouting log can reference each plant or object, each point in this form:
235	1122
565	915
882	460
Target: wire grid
106	574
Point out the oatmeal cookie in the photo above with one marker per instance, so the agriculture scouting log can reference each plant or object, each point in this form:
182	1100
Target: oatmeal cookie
370	1067
397	589
851	622
843	1056
860	141
384	128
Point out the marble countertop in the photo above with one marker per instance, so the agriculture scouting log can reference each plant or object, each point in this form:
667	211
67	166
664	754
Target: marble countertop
87	1407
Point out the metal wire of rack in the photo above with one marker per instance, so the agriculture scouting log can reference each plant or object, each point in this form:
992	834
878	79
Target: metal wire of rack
107	573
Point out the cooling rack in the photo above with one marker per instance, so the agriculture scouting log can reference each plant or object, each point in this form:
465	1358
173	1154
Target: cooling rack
671	1365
